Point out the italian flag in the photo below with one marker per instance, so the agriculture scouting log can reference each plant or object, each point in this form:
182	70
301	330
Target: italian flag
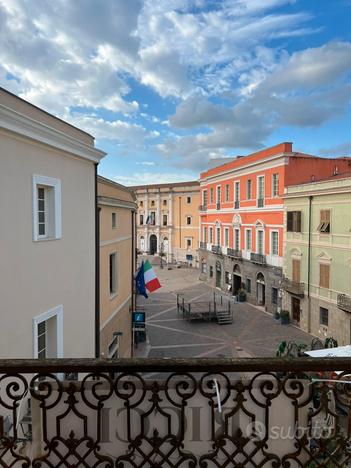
150	278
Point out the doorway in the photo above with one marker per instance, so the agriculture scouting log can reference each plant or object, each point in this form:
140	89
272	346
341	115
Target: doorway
218	275
261	289
295	309
142	244
236	280
153	244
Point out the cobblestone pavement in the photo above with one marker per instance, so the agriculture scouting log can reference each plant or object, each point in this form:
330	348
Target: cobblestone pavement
253	333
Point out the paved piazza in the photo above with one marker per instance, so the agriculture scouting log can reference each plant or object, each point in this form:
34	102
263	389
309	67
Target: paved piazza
253	333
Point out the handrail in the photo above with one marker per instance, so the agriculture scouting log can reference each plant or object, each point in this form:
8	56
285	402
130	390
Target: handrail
26	366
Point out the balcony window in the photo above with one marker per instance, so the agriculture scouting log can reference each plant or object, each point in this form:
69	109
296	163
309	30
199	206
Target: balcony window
226	237
248	239
211	195
324	275
218	235
259	247
274	243
218	199
260	191
227	193
248	189
275	185
294	221
296	269
236	239
324	223
204	197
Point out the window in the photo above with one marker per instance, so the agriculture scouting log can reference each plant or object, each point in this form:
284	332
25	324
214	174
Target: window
248	239
141	220
141	203
218	235
203	267
274	243
236	239
259	247
211	271
152	219
296	270
164	220
152	202
205	234
113	273
114	345
188	200
226	277
275	185
324	275
237	191
164	202
188	243
114	220
248	189
248	285
227	193
323	316
211	195
188	220
48	334
204	197
218	194
260	190
226	237
211	235
293	221
274	295
46	208
324	223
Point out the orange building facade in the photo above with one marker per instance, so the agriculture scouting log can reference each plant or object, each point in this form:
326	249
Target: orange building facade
242	219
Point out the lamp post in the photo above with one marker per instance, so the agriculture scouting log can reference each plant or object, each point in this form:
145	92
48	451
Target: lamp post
161	254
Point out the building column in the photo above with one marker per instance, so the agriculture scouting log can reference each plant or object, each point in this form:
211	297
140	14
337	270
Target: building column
170	209
158	210
146	203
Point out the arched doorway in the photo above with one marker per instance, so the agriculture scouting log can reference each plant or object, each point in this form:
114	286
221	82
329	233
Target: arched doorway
261	289
153	244
218	274
236	279
142	244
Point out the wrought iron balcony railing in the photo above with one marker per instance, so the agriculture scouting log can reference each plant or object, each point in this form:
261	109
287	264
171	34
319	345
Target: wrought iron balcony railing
293	287
203	208
258	258
216	249
344	302
234	253
175	412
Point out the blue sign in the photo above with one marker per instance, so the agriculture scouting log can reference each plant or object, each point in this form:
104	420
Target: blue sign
138	317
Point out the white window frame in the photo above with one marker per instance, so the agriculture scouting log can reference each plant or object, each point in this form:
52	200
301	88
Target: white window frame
236	245
187	218
218	235
218	198
271	242
247	192
211	195
248	247
226	237
186	243
113	294
204	197
263	241
274	195
55	184
257	185
210	235
227	192
55	312
237	193
205	234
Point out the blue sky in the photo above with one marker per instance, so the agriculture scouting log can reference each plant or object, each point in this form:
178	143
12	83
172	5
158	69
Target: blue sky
167	85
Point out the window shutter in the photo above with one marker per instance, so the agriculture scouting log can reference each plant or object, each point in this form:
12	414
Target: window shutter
324	275
296	270
298	221
290	221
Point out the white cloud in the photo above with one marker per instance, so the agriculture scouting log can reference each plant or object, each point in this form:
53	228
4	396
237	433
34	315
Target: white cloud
147	178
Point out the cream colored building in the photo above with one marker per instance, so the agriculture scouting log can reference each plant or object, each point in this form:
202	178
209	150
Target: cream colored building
117	266
168	220
47	235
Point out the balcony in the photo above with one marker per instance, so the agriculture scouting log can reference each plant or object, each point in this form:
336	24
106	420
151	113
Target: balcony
234	253
216	249
293	287
175	412
258	258
260	203
218	205
344	302
236	204
202	207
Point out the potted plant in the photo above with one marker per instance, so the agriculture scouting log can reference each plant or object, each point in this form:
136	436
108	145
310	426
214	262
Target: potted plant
241	295
284	317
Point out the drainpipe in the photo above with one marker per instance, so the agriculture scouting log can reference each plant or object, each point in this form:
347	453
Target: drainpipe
310	198
180	223
97	269
133	291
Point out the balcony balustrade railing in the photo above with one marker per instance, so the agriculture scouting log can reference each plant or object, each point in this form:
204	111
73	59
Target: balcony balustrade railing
216	249
236	204
175	413
234	253
258	258
218	205
293	287
344	302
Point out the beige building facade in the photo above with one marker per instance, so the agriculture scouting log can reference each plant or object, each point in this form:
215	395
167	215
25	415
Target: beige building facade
117	207
48	234
168	220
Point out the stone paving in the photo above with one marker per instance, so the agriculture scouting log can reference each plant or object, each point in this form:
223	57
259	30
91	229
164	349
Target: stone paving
253	333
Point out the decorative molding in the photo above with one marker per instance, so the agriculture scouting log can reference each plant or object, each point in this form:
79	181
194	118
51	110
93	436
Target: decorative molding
107	201
25	126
